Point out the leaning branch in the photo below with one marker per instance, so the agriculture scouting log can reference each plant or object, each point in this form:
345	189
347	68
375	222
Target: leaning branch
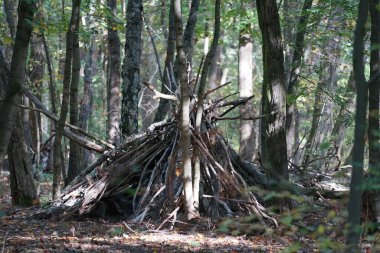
71	135
159	94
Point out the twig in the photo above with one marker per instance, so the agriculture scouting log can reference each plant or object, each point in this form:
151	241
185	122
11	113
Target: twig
168	218
217	88
237	103
5	239
243	118
159	94
130	229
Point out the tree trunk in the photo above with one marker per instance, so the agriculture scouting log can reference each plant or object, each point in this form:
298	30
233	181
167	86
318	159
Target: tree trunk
113	124
292	83
373	107
85	109
73	169
164	106
131	69
274	93
247	134
57	167
23	189
9	106
188	35
185	142
356	189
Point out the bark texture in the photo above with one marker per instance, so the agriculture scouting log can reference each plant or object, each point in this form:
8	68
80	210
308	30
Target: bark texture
114	76
247	134
74	157
185	115
12	98
131	68
274	93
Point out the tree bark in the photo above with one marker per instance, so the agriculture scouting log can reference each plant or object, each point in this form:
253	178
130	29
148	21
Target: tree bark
113	124
185	142
356	189
131	68
57	167
274	93
188	34
85	109
9	106
74	157
23	189
247	134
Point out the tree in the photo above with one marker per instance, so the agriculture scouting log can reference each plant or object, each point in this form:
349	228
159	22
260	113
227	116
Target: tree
247	129
273	102
57	162
113	82
23	189
355	198
131	68
295	67
12	98
74	159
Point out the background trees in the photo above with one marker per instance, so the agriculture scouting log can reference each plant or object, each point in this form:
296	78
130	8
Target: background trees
294	58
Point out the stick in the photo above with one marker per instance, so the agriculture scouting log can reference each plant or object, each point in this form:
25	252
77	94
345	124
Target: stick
168	218
130	229
159	94
5	239
217	88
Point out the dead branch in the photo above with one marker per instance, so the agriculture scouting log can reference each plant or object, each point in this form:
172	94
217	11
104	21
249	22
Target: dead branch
159	94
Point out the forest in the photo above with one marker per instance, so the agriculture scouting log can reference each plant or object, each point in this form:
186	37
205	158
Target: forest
190	126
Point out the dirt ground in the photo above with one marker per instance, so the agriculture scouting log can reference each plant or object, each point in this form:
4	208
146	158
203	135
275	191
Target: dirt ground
21	234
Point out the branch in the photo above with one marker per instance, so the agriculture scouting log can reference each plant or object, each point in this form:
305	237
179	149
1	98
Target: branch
72	136
243	118
159	94
217	88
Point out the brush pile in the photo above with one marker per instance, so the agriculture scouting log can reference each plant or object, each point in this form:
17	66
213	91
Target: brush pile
142	180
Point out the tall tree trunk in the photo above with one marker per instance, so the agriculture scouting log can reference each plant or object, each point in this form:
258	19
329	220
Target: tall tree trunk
274	93
356	189
163	106
131	69
57	163
36	75
113	83
247	134
373	107
85	109
52	97
9	106
185	114
73	169
292	82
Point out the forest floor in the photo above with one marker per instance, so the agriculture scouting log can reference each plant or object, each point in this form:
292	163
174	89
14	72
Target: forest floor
20	234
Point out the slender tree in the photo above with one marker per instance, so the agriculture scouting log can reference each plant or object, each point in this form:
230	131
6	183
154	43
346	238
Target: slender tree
373	106
57	162
185	114
247	130
74	158
356	188
131	68
113	82
273	103
292	82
